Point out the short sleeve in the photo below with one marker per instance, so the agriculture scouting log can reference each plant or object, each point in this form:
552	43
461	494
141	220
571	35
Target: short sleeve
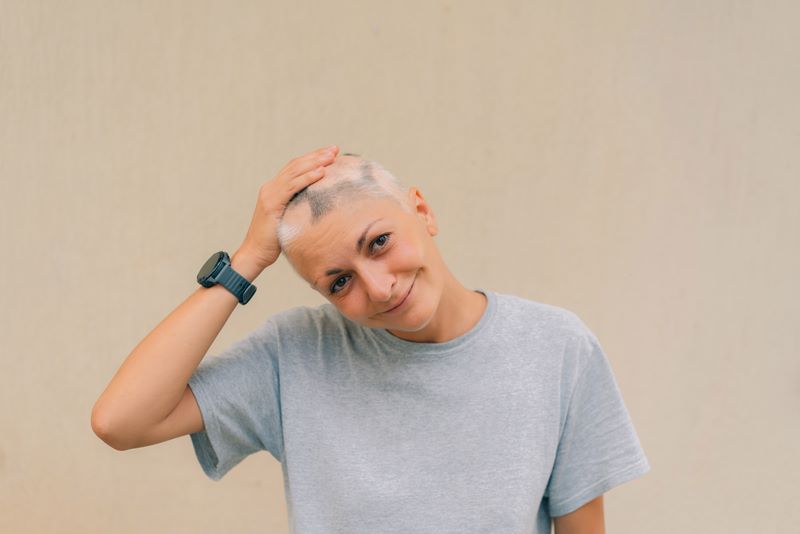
598	448
238	395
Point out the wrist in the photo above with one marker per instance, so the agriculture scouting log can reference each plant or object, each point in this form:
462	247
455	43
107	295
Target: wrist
246	265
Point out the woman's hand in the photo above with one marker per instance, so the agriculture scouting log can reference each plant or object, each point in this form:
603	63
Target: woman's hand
260	247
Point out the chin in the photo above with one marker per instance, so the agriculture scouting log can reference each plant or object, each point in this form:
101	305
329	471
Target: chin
415	322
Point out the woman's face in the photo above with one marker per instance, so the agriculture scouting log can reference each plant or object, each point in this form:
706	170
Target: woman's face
368	257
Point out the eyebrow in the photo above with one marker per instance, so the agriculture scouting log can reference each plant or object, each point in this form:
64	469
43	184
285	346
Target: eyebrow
358	247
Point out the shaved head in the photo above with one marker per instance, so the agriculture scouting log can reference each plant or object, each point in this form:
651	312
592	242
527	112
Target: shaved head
349	179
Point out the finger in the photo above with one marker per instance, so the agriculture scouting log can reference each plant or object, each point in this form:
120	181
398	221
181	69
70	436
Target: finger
305	179
328	148
318	152
310	161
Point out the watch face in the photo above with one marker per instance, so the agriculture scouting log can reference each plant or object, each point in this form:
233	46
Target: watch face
208	267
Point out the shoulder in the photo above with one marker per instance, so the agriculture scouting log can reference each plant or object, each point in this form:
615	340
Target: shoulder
308	320
543	318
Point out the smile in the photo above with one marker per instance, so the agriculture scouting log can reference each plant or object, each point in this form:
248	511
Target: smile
397	308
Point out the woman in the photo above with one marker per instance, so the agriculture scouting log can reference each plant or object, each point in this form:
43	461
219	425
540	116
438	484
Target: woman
407	403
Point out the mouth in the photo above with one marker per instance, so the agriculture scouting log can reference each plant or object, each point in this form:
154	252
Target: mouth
405	298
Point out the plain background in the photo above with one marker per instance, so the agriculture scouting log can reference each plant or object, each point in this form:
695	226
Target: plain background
635	162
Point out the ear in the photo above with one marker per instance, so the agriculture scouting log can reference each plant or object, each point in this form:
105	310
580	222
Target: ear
422	210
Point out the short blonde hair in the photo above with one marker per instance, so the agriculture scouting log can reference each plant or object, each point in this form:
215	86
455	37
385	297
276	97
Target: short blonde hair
353	180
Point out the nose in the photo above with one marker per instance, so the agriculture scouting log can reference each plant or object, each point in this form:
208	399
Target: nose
378	282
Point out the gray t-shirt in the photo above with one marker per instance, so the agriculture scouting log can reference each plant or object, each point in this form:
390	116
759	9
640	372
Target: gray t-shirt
516	421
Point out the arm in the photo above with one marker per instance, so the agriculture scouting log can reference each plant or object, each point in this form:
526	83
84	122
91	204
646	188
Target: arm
588	519
148	400
153	380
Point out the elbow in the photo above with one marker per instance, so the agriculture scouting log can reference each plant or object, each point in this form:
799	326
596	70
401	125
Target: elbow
104	429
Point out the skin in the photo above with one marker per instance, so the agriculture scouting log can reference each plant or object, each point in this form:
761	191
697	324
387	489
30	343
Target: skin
588	519
439	307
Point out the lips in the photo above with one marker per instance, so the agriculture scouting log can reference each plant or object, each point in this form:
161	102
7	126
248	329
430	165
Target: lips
404	298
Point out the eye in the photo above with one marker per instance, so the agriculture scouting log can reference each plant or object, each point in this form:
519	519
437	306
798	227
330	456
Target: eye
334	286
381	241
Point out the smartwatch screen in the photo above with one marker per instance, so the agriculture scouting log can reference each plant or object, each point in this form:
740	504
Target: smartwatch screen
208	267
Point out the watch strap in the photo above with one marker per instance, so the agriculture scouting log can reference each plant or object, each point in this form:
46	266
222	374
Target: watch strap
235	283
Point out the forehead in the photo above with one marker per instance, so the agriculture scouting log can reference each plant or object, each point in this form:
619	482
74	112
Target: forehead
331	241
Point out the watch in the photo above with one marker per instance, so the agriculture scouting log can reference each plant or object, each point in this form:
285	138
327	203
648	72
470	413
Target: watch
217	270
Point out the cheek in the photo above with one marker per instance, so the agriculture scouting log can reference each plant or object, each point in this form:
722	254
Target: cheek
354	313
408	255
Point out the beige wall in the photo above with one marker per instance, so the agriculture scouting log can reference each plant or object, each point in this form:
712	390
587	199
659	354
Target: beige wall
635	162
